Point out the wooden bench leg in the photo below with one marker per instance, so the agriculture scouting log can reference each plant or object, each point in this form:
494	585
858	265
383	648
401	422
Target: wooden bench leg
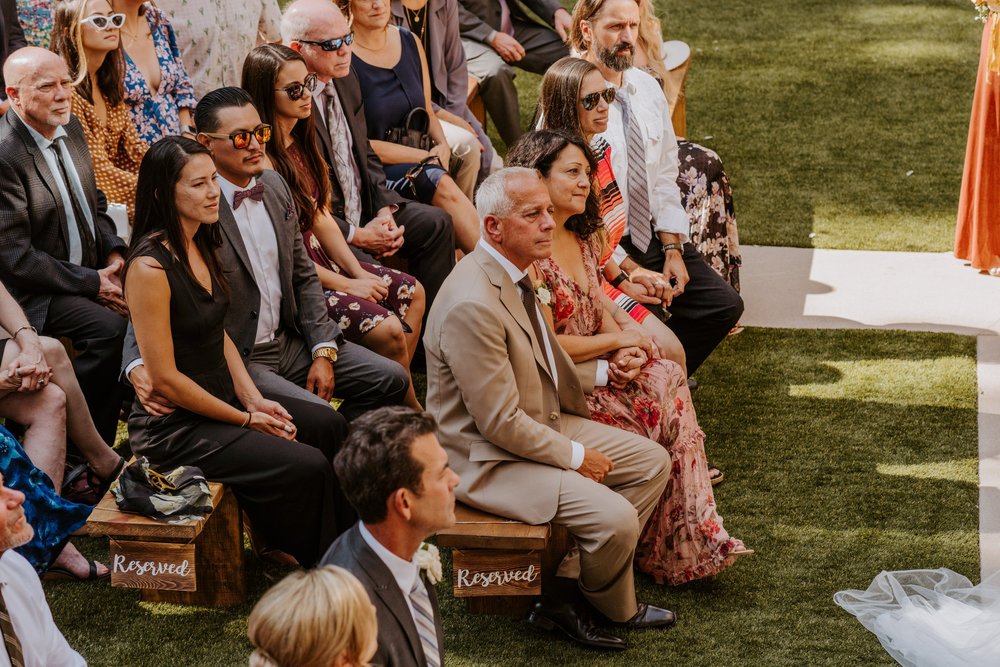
219	568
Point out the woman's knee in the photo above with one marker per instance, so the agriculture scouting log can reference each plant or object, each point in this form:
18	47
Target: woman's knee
55	352
389	338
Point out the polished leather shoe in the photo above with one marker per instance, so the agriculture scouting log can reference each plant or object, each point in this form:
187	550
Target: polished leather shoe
649	616
565	617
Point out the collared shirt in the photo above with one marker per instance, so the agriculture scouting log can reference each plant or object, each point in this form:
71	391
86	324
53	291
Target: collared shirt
405	572
650	111
75	242
41	641
323	98
215	36
261	244
516	274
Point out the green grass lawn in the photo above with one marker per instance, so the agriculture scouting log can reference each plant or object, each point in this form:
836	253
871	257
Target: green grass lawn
820	108
846	453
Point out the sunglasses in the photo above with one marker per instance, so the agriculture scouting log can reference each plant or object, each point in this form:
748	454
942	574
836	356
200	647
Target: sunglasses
590	101
241	138
332	44
296	90
112	22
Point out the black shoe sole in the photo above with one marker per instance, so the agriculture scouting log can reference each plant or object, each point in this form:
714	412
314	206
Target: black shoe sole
543	623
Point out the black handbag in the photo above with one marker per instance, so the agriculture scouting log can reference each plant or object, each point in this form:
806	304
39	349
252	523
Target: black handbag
414	133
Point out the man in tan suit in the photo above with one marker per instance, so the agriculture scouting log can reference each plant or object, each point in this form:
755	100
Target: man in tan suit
514	421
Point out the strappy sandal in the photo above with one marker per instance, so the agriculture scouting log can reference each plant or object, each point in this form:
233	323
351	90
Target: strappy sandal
56	573
715	476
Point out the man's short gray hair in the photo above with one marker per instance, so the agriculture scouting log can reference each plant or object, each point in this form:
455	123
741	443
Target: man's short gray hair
295	22
492	198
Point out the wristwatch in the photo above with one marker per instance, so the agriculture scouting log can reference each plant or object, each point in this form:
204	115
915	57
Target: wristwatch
673	246
328	353
619	279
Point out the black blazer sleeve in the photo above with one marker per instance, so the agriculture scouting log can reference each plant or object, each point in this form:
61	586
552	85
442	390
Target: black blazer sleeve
471	25
12	27
544	9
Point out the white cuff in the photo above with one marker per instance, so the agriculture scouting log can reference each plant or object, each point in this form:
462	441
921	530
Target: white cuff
619	255
602	373
131	367
350	232
577	459
320	346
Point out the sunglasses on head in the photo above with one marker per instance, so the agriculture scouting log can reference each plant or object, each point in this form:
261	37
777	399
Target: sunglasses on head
590	101
112	22
296	90
332	44
241	138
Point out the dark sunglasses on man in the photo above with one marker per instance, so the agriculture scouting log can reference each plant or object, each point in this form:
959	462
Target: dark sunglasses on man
241	138
590	101
296	90
332	44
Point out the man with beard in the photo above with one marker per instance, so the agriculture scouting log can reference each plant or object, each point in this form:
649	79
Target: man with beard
655	249
30	636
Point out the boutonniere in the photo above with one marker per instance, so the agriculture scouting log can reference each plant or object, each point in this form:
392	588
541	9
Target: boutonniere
542	293
428	559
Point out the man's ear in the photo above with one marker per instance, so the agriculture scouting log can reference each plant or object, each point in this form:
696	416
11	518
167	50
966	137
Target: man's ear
203	139
492	225
399	503
295	45
585	32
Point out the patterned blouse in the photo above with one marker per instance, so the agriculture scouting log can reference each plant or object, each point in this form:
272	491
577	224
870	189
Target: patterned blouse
158	115
36	19
115	149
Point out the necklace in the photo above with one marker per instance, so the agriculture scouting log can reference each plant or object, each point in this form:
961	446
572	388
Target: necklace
132	36
385	40
417	20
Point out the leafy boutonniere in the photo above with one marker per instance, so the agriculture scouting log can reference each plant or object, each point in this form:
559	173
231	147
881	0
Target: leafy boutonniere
542	293
428	559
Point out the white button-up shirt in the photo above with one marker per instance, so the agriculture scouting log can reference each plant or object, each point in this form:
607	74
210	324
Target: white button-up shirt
650	110
41	641
261	243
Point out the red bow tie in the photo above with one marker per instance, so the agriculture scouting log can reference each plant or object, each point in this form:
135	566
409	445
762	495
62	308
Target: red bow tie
255	193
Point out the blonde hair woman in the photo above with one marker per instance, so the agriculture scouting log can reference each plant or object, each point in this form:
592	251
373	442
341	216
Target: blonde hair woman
314	618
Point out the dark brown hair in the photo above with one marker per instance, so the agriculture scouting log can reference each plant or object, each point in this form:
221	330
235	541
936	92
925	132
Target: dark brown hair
585	10
260	74
560	94
539	150
67	41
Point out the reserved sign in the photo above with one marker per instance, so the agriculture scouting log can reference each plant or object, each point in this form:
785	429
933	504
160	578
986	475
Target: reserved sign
486	572
158	565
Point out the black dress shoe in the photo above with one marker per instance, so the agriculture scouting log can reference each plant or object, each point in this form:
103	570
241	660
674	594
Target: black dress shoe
549	615
649	616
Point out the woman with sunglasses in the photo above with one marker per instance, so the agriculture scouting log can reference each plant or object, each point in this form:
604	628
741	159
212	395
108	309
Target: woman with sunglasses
394	78
375	306
177	294
158	90
684	538
86	35
574	98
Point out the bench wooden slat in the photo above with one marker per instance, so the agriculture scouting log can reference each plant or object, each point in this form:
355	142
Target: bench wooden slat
107	519
475	529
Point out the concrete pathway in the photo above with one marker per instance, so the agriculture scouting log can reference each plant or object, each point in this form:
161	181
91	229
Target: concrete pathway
803	288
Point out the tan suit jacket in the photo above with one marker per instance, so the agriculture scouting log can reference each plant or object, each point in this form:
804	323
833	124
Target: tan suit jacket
489	387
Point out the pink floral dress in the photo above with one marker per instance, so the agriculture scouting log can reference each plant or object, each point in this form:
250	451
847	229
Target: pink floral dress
684	538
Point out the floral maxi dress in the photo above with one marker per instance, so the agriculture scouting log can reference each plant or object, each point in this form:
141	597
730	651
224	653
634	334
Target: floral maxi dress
684	538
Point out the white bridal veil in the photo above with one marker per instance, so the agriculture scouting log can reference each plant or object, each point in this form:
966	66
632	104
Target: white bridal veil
931	618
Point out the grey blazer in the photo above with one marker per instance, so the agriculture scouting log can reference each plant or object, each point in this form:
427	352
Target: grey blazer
398	642
303	305
479	19
34	237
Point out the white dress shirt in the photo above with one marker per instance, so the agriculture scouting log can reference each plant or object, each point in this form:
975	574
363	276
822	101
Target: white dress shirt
516	275
649	107
41	642
255	227
405	572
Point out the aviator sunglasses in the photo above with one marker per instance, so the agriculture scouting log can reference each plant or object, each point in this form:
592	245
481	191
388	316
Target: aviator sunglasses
590	101
296	90
112	22
241	138
332	44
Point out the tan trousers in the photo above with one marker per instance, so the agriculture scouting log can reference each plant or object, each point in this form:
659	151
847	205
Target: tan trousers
465	145
606	519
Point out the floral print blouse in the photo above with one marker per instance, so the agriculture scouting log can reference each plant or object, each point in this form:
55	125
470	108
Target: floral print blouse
115	149
36	19
157	115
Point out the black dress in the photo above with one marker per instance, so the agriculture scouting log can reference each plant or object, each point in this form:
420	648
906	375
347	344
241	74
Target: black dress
288	489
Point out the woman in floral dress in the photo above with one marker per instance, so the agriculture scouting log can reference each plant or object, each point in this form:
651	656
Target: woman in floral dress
375	306
684	538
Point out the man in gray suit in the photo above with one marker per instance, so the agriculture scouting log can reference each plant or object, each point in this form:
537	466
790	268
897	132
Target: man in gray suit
277	317
396	475
59	255
499	34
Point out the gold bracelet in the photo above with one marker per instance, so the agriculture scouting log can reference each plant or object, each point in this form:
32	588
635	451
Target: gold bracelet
26	326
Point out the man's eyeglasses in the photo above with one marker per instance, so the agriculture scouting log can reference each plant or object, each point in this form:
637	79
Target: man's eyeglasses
590	101
114	21
241	138
296	90
332	44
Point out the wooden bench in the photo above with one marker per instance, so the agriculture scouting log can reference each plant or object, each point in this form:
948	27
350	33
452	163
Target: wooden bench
475	102
196	562
499	565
